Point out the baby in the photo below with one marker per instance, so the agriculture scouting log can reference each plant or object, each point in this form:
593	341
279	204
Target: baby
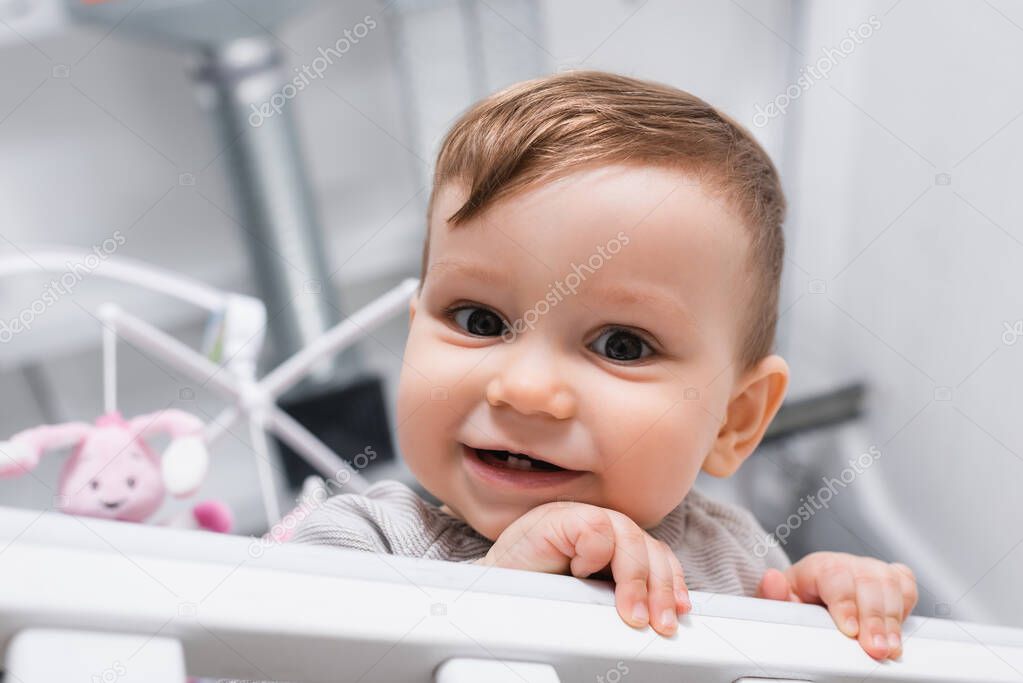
594	327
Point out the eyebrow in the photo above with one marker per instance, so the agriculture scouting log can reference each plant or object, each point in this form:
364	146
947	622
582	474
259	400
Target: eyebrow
468	269
625	297
613	293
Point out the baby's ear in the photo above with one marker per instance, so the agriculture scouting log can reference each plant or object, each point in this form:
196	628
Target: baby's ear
755	401
412	303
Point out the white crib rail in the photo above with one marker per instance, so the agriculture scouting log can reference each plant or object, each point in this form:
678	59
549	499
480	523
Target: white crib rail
241	609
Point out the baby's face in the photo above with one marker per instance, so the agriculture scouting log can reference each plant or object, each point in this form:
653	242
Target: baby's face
591	324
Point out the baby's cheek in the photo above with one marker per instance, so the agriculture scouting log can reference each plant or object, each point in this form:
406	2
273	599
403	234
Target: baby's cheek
415	384
413	392
662	455
426	403
413	414
429	360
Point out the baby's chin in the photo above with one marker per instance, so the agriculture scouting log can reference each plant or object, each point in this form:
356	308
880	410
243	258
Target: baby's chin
489	516
489	523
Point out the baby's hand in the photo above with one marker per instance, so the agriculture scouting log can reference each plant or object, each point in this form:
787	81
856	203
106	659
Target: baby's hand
868	599
563	537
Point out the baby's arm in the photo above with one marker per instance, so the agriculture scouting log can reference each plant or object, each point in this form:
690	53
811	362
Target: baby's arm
389	518
355	522
868	598
564	537
341	524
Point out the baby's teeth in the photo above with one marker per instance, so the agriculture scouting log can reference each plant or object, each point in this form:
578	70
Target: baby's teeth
519	463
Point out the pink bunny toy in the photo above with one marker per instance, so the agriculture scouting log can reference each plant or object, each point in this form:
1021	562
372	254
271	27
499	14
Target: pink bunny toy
114	474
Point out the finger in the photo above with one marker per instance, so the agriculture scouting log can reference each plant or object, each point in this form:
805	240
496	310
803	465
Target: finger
836	586
630	568
870	602
539	540
593	544
661	588
683	602
893	611
774	586
910	594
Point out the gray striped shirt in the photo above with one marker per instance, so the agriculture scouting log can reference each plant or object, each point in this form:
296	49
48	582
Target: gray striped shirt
719	545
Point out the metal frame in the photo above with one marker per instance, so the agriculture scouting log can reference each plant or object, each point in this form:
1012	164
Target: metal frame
301	613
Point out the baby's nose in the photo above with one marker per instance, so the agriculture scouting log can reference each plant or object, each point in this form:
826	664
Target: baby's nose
533	390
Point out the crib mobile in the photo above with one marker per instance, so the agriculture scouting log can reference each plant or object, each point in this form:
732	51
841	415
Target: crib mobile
113	472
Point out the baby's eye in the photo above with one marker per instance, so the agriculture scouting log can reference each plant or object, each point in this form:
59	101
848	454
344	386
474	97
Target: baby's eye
130	481
621	345
477	321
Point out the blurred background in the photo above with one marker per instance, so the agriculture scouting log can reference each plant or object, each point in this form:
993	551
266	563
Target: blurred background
895	125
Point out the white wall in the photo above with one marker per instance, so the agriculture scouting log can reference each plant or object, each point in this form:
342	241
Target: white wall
916	278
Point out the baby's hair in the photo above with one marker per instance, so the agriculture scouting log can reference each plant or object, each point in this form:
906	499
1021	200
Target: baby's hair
541	129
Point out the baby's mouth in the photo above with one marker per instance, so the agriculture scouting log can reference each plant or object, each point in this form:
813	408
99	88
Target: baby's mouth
512	471
515	461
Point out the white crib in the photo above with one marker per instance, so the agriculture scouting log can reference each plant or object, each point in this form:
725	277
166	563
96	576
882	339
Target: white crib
89	600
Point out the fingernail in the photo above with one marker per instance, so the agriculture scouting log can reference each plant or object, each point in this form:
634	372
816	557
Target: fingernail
683	599
668	617
894	641
850	626
640	614
880	643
